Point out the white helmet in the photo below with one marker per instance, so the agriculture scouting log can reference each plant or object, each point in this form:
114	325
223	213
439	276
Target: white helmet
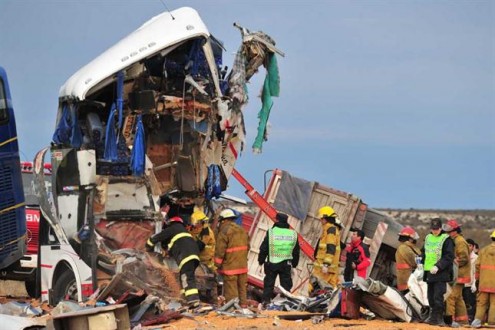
227	214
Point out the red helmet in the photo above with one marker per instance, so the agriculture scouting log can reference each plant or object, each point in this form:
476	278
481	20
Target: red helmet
409	232
450	225
176	219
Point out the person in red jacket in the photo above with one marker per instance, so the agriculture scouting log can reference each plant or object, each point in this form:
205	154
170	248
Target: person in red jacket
358	256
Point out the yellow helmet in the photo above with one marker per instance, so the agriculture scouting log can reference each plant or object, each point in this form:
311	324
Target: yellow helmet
326	212
493	234
198	216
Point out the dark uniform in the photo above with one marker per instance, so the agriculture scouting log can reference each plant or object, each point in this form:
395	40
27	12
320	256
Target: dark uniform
282	250
183	248
438	258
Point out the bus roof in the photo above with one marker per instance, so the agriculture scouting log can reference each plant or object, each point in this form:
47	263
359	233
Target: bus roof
157	34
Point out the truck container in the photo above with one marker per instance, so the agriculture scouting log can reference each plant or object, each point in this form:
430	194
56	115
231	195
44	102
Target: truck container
301	200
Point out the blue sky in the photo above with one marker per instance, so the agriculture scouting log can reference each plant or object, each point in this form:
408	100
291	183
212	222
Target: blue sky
392	101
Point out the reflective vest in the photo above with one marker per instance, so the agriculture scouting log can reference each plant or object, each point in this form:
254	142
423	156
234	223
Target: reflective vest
281	242
433	249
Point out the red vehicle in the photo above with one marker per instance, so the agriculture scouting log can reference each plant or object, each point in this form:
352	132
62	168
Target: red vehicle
32	207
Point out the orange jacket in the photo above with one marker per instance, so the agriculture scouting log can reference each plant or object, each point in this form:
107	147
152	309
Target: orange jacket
231	249
405	263
462	259
485	269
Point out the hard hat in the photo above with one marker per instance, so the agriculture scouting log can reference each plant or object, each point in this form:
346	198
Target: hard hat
450	225
493	234
326	212
176	219
198	216
409	232
227	214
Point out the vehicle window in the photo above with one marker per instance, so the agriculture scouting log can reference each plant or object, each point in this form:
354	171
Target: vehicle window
3	104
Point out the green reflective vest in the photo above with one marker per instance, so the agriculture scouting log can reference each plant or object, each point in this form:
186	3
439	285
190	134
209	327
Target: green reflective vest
433	249
281	242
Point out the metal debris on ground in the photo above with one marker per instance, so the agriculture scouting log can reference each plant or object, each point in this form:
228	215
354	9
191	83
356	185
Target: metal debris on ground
317	319
232	308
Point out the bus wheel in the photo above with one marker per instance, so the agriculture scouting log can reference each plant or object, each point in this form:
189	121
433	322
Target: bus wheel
32	289
65	287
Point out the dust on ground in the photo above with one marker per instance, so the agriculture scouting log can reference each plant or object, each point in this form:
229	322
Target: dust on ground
268	320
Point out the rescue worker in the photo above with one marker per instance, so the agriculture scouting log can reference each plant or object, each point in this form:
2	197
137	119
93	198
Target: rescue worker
358	256
485	273
469	290
405	257
456	312
438	259
282	249
182	247
231	257
203	234
201	231
327	252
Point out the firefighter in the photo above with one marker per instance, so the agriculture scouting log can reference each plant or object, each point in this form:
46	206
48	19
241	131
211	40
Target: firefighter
231	252
485	273
456	312
203	234
357	256
183	248
438	258
201	231
327	252
281	247
405	257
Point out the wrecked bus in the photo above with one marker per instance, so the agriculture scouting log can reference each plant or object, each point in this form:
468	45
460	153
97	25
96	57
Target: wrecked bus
152	125
301	199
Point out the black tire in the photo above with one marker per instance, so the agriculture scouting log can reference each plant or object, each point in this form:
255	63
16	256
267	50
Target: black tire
31	289
65	288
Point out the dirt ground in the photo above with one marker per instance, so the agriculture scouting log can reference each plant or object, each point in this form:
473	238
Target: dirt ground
214	321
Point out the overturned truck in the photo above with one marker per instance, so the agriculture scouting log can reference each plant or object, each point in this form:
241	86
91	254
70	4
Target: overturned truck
301	199
154	124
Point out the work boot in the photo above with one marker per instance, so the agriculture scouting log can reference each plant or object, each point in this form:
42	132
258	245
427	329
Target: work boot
441	322
436	319
455	325
476	323
193	304
432	320
429	318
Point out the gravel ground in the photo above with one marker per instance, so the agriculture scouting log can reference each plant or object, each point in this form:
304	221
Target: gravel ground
214	321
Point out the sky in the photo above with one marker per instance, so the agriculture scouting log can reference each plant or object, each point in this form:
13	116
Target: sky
391	101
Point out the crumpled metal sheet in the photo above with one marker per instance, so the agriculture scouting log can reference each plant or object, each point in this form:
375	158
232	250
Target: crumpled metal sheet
125	234
12	322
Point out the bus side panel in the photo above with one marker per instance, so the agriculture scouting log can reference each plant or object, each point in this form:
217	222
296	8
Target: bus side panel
12	211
